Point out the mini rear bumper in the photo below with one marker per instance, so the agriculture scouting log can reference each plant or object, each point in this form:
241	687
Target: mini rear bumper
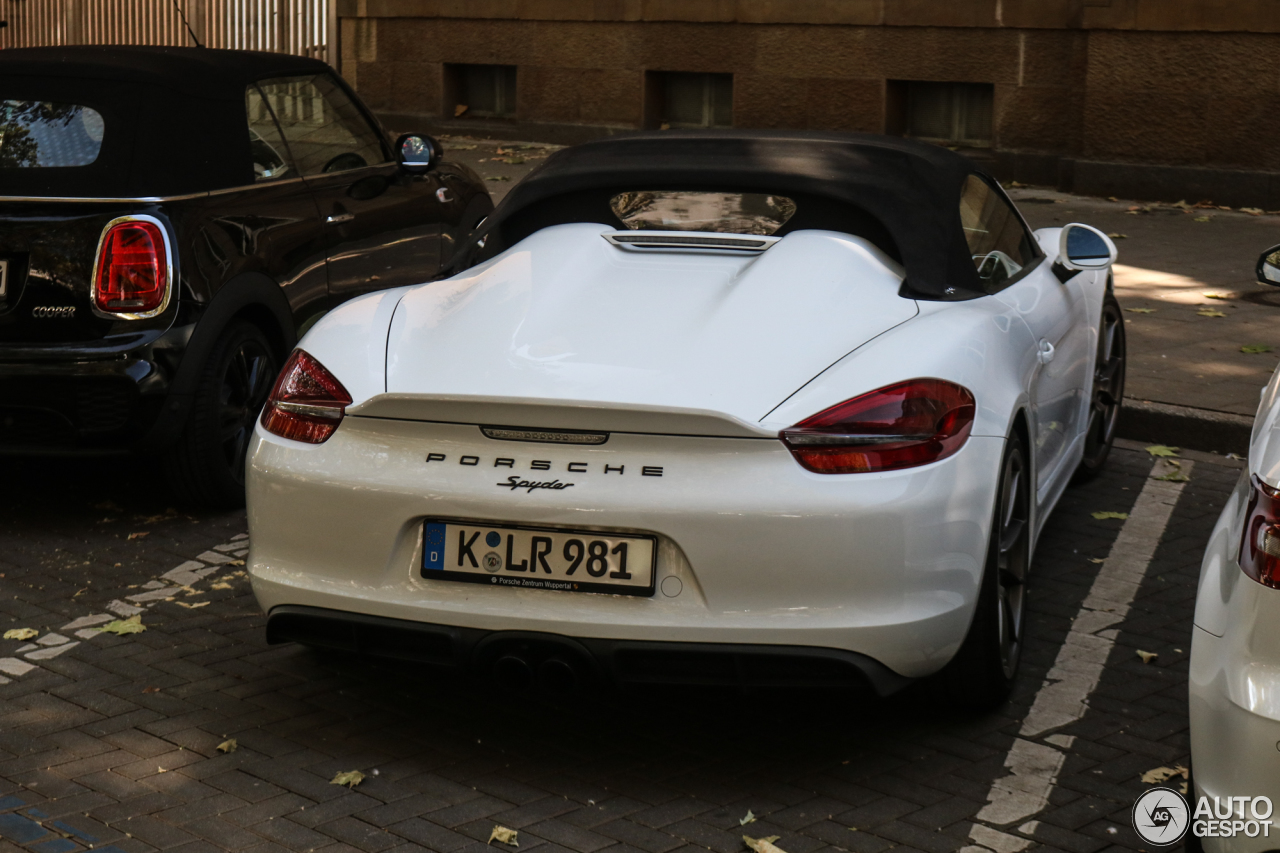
65	400
557	661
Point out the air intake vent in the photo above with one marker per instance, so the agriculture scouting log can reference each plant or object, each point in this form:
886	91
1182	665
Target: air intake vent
667	241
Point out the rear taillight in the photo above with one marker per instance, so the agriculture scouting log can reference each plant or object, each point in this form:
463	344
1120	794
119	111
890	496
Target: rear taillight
131	272
899	426
1260	544
307	402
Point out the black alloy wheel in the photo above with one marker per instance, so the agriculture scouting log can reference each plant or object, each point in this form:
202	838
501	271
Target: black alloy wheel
982	673
207	466
1107	393
1012	559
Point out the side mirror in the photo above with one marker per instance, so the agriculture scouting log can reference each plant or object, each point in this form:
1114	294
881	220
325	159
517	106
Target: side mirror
418	153
1269	267
1084	247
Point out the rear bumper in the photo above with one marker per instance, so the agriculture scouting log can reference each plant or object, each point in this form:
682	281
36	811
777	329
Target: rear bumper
751	548
616	662
76	405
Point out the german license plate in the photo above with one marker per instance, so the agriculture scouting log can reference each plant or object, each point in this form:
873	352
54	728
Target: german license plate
538	558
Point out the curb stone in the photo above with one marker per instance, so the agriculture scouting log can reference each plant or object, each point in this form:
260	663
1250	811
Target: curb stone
1184	426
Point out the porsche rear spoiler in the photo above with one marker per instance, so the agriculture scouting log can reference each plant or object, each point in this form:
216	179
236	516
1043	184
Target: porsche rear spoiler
558	414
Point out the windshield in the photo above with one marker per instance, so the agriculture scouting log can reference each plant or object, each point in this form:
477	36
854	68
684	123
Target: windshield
725	213
36	134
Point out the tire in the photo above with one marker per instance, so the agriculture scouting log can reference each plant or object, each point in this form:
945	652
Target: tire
1107	392
205	467
982	673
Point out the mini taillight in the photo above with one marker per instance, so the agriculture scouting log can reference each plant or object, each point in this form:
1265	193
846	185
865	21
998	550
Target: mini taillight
899	426
307	402
1260	544
132	270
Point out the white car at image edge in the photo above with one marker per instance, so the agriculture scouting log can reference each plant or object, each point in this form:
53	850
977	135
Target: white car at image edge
1235	647
724	407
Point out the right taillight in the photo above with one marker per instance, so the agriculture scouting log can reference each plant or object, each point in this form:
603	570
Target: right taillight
131	272
307	402
1260	544
898	426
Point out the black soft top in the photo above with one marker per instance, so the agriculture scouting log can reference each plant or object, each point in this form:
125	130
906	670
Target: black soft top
174	117
903	196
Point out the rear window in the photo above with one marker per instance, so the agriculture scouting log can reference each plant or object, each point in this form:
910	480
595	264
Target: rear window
39	134
724	213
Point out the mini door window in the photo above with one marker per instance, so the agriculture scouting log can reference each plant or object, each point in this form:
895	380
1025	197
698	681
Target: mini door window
324	129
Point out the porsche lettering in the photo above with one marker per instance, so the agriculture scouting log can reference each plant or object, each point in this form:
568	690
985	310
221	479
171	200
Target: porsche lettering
546	465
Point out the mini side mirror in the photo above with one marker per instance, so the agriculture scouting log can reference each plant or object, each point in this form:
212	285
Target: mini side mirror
1269	267
1084	247
418	153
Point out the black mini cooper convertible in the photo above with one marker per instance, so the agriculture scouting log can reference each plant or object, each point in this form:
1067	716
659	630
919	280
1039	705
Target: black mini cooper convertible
171	221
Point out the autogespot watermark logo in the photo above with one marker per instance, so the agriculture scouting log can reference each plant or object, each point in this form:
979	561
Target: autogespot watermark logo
1161	817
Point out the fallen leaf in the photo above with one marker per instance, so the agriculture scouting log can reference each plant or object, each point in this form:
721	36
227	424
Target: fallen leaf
1209	312
236	563
140	535
1174	477
1252	211
513	161
1097	559
1209	294
1254	349
664	126
763	845
750	818
504	835
1116	235
21	634
1147	657
1142	310
220	585
151	690
459	110
229	745
1162	451
350	778
1163	774
120	627
1204	219
1112	198
1104	515
191	606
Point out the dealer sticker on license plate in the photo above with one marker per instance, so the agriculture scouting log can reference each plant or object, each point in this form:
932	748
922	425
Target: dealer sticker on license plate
538	558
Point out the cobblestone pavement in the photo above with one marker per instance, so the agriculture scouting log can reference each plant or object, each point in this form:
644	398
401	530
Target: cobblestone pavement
112	743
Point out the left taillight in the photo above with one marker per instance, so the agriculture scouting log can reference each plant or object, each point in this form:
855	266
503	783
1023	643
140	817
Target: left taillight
898	426
131	271
307	403
1260	544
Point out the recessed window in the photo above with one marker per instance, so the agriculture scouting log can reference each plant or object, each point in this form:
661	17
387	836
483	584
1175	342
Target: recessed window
950	113
483	91
695	100
726	213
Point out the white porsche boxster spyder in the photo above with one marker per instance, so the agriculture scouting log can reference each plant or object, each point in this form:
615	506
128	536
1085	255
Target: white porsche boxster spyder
721	407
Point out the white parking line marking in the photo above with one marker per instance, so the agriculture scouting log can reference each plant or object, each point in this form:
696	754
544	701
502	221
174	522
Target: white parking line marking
1063	697
180	579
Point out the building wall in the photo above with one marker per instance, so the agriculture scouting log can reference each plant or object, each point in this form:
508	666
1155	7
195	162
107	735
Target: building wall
1152	98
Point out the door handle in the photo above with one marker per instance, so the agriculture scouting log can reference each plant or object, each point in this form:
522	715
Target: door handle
1046	351
339	218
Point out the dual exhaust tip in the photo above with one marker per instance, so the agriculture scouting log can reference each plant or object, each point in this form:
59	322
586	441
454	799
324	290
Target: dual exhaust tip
555	674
